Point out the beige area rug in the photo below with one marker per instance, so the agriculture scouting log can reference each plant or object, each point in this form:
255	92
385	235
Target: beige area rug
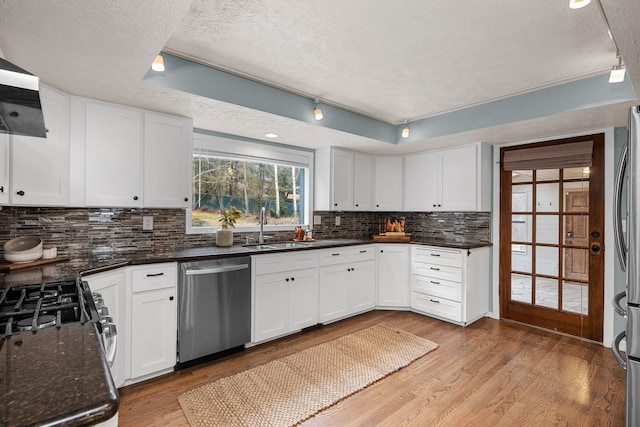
291	389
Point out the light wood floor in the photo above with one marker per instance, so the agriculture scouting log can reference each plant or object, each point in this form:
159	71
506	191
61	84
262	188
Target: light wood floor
491	373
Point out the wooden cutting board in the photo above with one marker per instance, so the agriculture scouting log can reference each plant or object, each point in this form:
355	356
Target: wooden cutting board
17	266
396	237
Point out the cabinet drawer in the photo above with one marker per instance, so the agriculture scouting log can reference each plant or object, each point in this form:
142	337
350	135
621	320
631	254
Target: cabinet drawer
362	253
448	257
266	264
154	277
437	287
437	271
347	255
437	306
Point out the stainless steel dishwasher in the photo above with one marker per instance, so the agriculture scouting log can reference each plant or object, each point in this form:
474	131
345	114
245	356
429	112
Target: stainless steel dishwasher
214	308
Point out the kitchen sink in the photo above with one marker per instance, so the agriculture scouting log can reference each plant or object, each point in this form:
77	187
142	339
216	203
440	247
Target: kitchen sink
278	245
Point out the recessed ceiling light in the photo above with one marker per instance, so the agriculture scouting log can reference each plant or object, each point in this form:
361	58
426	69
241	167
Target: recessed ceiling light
271	135
577	4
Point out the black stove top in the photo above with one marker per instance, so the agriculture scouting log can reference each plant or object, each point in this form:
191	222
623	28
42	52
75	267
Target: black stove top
32	307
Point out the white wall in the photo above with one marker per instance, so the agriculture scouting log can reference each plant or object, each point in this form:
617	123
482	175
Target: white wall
609	254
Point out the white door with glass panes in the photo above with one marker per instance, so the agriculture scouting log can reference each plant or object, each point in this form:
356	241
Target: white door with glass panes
113	156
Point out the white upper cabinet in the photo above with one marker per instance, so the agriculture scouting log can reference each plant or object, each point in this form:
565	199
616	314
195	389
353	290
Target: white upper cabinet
343	180
457	179
388	183
113	156
168	143
40	166
4	168
362	182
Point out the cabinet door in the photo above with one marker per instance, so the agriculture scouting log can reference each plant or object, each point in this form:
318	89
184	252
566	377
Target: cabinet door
362	286
111	287
4	168
153	331
333	292
342	180
113	156
271	306
388	183
40	166
362	182
167	147
422	182
393	275
303	299
459	179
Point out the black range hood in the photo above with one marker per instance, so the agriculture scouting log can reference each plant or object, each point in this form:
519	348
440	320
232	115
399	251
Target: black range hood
20	108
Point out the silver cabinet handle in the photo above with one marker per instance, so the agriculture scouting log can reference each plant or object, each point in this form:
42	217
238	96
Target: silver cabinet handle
217	270
615	348
616	303
621	246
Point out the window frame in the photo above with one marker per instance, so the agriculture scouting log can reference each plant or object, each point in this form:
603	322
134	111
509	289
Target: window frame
238	148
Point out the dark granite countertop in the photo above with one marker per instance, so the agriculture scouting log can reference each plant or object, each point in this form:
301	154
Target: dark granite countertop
57	376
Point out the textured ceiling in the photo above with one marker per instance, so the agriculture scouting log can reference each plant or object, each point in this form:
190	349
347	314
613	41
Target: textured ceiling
394	61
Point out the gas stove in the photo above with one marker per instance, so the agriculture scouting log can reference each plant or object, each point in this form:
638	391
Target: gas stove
32	307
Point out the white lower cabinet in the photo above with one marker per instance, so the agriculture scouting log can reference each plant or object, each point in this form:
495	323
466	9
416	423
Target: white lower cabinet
393	275
347	282
450	284
111	286
153	291
286	300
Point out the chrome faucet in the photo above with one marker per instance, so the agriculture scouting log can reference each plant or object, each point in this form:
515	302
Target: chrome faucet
262	217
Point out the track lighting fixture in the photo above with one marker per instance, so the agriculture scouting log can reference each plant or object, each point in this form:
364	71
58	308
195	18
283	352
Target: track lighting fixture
158	64
617	71
317	112
405	130
577	4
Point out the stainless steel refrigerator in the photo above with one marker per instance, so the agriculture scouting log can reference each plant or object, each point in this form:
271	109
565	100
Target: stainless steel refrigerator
629	254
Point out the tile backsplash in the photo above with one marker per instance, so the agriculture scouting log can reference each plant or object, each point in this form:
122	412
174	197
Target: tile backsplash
110	234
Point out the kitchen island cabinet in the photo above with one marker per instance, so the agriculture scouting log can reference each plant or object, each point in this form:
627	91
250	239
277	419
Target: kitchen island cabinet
347	282
393	275
285	294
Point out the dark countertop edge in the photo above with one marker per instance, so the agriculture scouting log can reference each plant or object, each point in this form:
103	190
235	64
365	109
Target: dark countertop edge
199	253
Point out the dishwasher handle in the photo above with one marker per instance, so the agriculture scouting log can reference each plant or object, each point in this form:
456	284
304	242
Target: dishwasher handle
216	270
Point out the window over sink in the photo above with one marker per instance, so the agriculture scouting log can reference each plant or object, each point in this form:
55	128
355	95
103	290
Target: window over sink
233	172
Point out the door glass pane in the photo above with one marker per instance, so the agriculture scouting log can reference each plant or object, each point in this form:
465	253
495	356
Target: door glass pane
521	256
521	288
547	197
576	173
521	228
576	264
547	292
548	175
547	229
521	198
575	297
576	230
521	176
547	260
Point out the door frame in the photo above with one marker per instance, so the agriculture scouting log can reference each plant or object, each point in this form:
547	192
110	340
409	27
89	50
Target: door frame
609	261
